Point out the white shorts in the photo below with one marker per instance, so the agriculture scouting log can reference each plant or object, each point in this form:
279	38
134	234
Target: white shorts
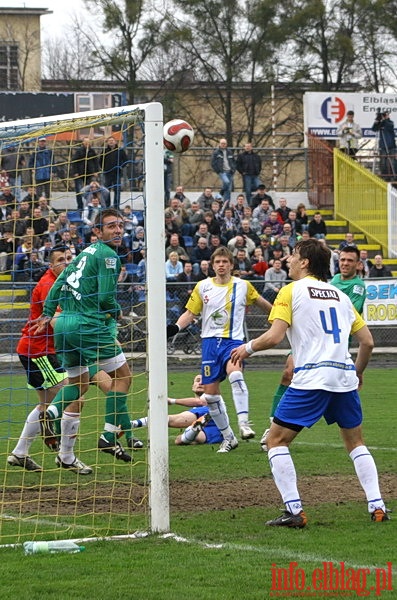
109	365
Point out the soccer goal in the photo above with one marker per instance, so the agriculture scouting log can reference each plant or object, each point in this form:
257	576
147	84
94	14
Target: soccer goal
119	498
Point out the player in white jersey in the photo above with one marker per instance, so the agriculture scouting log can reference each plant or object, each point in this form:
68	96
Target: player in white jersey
221	301
349	283
318	319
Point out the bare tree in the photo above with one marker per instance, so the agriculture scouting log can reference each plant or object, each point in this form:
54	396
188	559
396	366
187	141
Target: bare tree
69	57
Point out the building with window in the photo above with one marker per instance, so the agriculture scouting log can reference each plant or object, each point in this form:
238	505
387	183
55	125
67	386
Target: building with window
20	53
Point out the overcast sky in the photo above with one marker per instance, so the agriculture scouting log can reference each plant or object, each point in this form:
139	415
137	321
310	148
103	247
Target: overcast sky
63	10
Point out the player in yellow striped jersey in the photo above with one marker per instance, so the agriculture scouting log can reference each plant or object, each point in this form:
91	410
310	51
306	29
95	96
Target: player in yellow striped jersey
221	301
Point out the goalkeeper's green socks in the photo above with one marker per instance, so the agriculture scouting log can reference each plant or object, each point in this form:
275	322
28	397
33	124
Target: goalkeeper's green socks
116	416
279	393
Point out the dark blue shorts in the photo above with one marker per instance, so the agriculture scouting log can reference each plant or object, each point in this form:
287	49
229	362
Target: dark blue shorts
306	407
216	354
212	433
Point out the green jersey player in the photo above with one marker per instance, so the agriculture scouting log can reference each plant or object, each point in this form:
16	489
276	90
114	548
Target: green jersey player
84	335
347	280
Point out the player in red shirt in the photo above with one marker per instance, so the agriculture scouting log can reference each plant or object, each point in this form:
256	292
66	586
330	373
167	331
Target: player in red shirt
37	355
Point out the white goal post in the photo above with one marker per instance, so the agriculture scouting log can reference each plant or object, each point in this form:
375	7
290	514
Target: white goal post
150	118
156	319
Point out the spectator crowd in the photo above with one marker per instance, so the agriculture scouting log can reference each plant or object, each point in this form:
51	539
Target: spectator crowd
260	232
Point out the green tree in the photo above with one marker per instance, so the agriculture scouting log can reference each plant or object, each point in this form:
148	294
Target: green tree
334	43
231	45
376	45
131	38
321	41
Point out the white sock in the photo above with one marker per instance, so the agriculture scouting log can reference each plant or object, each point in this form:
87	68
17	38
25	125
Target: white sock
112	428
189	435
240	395
30	431
284	474
142	422
367	474
218	412
70	423
53	411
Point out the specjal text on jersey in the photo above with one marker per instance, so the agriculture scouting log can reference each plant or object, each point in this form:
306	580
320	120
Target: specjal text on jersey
321	294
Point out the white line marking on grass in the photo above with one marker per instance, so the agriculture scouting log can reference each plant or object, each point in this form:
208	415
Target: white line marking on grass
271	552
291	555
322	445
41	522
111	538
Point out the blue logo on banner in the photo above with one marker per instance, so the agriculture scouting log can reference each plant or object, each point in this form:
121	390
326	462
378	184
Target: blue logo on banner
333	109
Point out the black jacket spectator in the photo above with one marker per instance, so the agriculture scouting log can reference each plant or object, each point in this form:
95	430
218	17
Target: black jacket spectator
382	272
12	161
249	163
387	139
85	162
31	197
261	195
7	250
113	160
379	269
199	253
39	224
5	210
317	227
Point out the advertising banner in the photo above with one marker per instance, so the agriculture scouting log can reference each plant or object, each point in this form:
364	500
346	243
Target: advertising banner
380	307
324	111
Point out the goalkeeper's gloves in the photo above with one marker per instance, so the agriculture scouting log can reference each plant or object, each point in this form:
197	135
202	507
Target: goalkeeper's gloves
172	330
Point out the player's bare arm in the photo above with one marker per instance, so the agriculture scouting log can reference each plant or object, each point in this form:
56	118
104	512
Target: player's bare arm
188	402
186	319
267	340
263	304
366	345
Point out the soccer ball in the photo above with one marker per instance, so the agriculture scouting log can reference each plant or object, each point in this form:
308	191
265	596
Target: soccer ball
178	135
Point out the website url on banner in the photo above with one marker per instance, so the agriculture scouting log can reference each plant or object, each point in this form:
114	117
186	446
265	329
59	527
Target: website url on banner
329	580
321	131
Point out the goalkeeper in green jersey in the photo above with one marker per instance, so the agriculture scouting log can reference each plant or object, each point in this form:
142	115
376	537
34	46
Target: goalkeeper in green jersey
347	279
353	286
84	335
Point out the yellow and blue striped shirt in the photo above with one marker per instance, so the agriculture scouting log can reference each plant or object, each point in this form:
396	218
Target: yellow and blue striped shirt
222	306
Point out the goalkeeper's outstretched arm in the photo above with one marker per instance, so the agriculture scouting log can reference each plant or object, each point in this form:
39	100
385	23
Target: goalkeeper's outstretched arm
184	321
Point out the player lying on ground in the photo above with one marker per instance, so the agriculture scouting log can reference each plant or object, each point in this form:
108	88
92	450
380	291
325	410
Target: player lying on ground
199	427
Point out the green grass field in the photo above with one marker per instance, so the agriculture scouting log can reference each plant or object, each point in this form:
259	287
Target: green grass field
219	503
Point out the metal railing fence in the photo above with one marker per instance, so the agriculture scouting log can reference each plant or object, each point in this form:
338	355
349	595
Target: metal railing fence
132	327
